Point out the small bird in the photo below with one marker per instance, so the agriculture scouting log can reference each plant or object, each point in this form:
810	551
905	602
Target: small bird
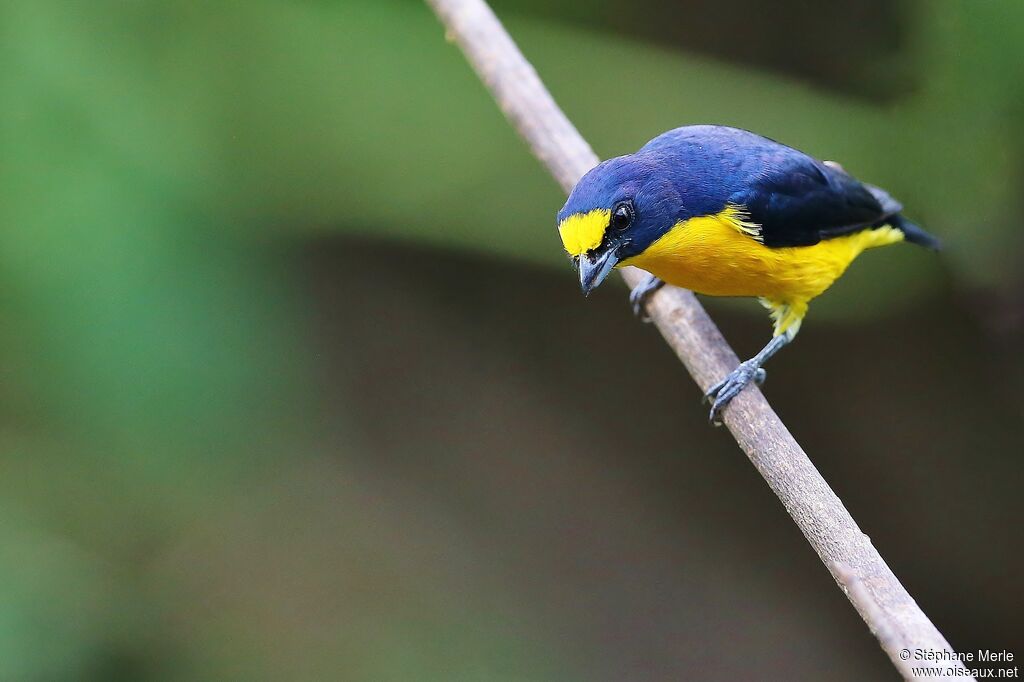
726	212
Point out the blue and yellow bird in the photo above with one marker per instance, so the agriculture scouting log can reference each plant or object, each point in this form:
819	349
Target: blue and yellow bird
726	212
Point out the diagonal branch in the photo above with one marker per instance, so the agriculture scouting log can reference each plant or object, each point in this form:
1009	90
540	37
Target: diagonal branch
884	604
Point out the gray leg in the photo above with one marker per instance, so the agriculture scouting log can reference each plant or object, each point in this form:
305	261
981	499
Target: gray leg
750	370
638	297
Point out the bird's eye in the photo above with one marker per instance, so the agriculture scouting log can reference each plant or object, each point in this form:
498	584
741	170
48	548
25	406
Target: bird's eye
622	216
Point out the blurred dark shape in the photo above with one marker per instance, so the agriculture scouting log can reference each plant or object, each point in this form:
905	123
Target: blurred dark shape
838	46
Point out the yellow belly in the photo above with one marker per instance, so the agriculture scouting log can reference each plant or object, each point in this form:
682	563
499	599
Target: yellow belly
717	255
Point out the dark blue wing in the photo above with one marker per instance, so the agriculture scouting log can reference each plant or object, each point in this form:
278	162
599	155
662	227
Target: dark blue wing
804	201
796	199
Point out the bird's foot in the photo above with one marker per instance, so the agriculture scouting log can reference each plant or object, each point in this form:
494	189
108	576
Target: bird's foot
728	388
639	295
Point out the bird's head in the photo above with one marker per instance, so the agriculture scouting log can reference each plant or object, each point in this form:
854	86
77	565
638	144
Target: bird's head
616	210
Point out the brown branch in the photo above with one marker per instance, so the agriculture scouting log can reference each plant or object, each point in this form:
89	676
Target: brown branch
884	604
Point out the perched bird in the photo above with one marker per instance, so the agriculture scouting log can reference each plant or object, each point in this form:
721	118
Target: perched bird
726	212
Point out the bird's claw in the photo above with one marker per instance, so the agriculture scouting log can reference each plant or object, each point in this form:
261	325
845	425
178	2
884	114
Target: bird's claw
728	388
639	295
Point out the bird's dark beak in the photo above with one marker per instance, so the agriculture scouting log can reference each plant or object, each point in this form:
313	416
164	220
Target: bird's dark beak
594	268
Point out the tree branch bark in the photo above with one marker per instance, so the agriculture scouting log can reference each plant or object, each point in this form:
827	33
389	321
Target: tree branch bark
879	597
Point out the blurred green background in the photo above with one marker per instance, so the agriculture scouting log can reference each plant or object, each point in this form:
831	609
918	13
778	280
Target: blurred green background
297	384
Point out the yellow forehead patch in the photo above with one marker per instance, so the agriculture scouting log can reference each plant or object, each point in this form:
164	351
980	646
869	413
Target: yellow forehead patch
582	232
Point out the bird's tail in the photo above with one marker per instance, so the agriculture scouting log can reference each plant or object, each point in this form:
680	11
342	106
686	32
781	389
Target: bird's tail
913	233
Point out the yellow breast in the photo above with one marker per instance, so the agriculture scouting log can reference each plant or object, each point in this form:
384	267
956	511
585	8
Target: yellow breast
720	255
